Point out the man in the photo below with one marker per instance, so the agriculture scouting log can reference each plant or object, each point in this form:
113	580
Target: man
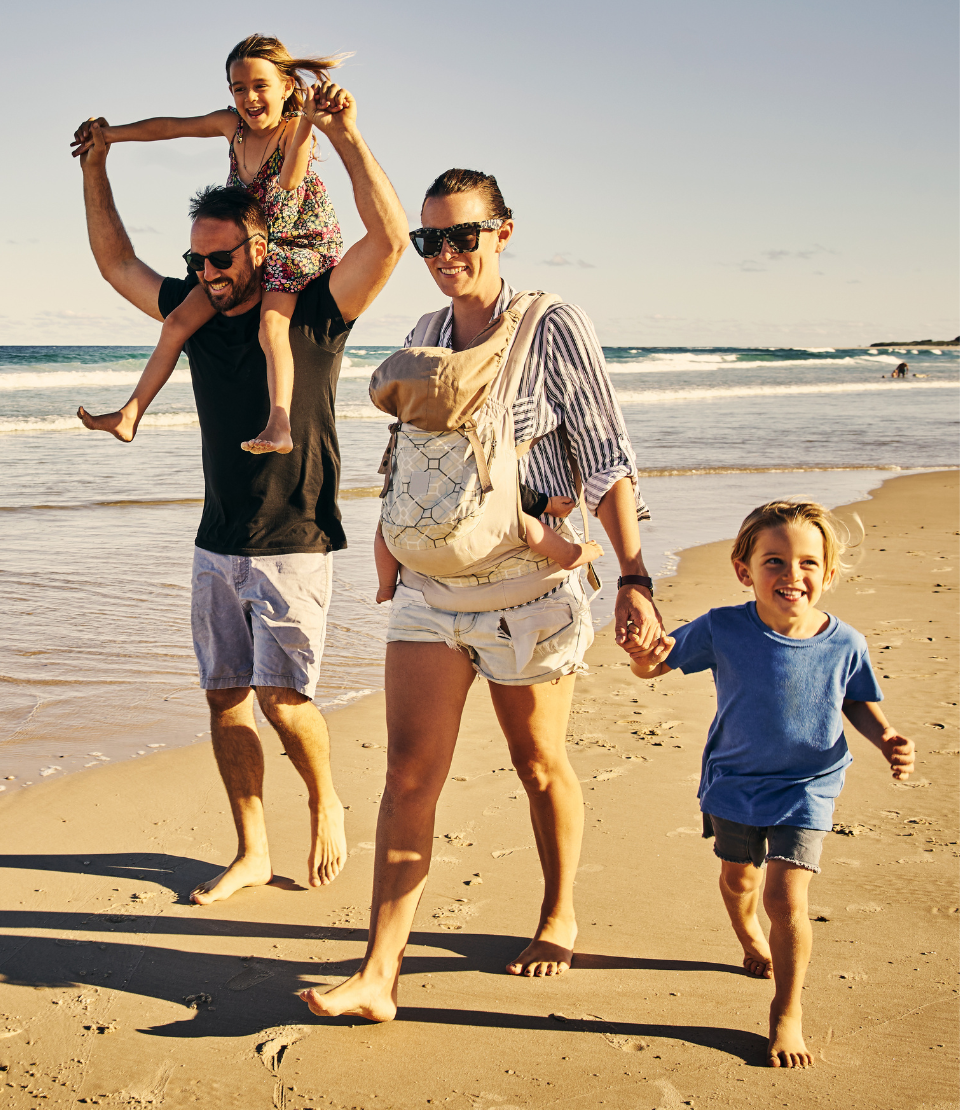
262	565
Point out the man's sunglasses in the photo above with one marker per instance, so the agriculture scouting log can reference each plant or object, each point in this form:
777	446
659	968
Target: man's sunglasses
428	241
220	260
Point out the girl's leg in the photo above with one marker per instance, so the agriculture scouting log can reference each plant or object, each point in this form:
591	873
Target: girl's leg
791	941
276	311
387	568
740	890
426	687
185	319
552	545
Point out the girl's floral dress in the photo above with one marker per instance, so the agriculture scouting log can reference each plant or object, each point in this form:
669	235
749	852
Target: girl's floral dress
305	237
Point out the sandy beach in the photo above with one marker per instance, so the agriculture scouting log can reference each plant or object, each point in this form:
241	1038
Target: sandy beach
115	991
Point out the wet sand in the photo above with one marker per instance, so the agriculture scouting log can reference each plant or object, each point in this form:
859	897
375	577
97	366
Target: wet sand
117	992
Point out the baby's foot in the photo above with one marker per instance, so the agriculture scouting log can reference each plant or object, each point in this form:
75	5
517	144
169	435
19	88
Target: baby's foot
117	423
385	593
582	553
274	437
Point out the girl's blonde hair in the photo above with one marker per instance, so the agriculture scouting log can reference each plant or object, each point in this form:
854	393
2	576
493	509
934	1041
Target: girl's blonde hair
778	514
273	50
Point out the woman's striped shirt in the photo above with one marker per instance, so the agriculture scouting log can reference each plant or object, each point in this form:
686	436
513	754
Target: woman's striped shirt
565	382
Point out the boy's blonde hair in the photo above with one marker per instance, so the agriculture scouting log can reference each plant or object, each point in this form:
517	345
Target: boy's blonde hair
778	514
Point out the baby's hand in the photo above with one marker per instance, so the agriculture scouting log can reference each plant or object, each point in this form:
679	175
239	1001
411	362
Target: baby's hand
899	752
560	507
385	593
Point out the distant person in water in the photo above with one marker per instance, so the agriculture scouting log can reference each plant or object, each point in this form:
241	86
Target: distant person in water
901	370
262	567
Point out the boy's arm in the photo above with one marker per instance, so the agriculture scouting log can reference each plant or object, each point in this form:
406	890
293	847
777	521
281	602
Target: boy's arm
221	122
868	719
649	663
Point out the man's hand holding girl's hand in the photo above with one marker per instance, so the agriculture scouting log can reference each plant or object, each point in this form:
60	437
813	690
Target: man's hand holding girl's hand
898	751
330	107
83	136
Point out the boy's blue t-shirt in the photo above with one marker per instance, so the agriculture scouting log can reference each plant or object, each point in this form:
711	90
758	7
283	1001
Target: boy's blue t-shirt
776	752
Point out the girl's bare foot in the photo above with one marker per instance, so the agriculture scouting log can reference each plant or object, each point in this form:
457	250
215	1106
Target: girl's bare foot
117	423
329	851
244	871
274	437
582	553
549	953
373	999
786	1046
756	958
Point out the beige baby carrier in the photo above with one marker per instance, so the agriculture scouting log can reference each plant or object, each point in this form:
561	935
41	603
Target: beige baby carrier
451	512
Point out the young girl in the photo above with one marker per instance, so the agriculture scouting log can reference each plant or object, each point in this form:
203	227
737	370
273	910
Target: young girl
786	673
270	155
544	541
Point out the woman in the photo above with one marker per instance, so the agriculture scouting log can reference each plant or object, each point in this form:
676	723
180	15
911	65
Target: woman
564	382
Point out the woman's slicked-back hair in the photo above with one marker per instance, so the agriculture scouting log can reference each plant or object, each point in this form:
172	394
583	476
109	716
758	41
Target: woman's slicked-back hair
468	181
779	514
228	203
273	50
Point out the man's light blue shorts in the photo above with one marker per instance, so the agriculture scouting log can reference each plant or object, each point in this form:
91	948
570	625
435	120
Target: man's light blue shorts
532	643
260	620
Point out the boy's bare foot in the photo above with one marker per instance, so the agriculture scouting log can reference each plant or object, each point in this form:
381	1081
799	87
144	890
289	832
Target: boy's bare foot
373	999
582	553
786	1047
329	851
549	953
117	423
385	594
244	871
756	959
274	437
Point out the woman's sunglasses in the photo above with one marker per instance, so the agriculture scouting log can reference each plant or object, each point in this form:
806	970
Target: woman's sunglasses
220	260
428	241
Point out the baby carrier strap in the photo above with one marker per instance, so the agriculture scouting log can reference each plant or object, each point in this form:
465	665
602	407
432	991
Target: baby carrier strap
428	328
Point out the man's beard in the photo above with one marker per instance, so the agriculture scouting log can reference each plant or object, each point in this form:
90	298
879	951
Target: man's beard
235	293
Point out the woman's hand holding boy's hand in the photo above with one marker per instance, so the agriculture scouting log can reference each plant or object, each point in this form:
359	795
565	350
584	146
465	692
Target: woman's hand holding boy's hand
898	751
560	507
648	662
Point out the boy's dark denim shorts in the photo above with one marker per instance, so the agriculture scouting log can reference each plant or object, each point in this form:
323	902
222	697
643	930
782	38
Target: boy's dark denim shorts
755	844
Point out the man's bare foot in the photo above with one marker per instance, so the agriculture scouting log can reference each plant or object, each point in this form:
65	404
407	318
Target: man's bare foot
117	423
274	437
756	959
329	851
549	953
244	871
375	1000
582	553
786	1047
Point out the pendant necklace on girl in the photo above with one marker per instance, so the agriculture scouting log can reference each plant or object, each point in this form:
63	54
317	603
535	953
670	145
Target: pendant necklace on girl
266	147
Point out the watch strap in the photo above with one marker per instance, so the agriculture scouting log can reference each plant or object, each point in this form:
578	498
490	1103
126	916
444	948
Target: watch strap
635	580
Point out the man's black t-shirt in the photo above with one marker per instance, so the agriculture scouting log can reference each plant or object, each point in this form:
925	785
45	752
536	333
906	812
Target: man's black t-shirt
267	504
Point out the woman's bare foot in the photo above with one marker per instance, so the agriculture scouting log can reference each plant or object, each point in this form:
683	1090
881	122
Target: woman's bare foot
756	958
274	437
786	1047
549	953
244	871
373	999
329	851
119	423
581	553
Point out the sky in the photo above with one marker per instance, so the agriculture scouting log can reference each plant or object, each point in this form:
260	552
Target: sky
745	173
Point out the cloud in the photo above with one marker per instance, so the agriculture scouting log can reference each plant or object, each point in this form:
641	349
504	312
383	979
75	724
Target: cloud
143	231
21	242
557	260
778	255
585	265
750	266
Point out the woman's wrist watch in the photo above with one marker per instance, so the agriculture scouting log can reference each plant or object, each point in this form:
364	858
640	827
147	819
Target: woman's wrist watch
635	580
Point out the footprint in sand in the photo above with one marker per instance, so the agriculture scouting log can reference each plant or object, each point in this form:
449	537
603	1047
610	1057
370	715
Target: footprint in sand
249	977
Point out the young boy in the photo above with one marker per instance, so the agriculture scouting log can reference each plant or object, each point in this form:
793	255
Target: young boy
786	673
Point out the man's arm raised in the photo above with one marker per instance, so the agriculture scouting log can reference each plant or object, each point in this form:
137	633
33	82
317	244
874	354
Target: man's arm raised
366	266
111	246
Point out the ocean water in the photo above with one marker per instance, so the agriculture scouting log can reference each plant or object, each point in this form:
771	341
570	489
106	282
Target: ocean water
96	537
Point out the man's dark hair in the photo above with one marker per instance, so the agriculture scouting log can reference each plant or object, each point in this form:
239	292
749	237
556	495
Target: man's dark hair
466	181
220	202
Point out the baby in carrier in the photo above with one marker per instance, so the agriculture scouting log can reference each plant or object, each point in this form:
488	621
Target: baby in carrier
544	541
